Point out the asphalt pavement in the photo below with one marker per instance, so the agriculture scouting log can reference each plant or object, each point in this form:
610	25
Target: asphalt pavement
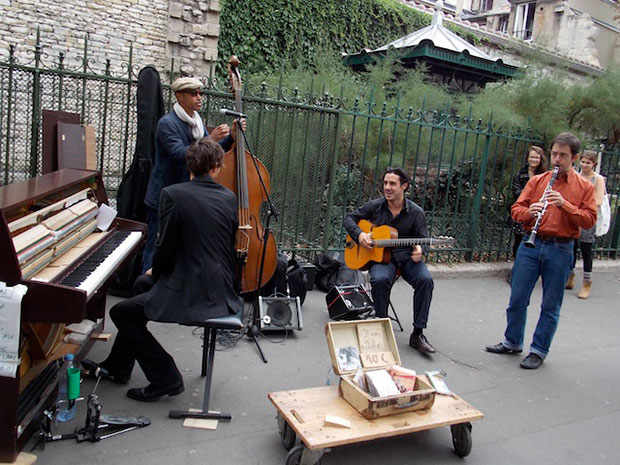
566	412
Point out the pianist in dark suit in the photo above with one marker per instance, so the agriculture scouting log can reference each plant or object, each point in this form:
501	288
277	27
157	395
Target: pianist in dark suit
176	131
193	266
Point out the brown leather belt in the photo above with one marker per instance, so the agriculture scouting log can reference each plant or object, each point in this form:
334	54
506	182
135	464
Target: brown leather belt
559	239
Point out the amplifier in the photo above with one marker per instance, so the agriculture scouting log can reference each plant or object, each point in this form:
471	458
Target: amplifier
348	302
280	313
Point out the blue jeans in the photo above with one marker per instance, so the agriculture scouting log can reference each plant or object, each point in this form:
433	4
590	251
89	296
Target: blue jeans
416	274
552	261
152	220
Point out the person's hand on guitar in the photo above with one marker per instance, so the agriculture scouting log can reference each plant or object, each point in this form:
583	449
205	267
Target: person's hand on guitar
416	254
365	240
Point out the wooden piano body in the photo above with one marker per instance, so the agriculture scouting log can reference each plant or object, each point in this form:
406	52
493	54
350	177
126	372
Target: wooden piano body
50	301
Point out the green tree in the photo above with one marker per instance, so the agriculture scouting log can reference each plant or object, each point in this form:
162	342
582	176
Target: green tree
268	35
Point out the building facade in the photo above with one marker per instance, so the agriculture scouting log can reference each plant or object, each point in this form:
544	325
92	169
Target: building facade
583	31
581	28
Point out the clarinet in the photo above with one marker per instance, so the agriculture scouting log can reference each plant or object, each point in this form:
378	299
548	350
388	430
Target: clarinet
530	242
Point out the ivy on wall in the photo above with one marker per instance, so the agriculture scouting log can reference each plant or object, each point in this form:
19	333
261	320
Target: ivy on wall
267	35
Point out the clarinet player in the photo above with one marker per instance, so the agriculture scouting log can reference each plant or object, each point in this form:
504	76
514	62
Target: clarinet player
563	209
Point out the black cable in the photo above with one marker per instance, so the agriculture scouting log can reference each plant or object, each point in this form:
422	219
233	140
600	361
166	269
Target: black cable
276	341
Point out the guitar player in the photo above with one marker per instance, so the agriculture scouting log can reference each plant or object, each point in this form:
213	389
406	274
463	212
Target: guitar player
409	220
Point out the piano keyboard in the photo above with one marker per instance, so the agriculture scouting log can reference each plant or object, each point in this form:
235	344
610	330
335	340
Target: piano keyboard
96	269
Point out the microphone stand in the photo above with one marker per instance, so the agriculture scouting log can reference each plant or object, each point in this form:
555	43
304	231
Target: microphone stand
253	328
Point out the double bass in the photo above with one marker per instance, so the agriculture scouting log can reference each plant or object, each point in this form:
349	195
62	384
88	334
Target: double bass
240	173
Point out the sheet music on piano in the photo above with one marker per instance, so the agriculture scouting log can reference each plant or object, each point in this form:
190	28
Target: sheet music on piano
10	316
75	224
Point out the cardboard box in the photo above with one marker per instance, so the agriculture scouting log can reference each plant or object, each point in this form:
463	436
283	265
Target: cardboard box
374	342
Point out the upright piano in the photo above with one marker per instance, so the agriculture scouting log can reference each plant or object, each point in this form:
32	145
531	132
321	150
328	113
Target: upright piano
50	242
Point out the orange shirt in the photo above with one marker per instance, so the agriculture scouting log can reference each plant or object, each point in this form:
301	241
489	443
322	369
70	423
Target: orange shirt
578	210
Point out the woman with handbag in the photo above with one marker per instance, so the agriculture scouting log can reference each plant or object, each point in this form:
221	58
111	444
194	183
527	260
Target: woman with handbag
588	162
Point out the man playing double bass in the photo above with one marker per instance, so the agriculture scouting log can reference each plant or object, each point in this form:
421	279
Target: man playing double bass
175	132
409	220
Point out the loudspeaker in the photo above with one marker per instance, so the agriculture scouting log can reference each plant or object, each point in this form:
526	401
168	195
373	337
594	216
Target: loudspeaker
278	313
348	302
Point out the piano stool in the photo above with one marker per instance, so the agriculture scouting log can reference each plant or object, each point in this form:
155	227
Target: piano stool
210	328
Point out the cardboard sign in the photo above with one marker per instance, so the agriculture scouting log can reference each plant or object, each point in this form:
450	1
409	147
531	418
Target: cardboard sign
374	348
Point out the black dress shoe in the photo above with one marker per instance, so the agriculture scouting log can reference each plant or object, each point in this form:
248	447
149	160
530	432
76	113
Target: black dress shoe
94	370
152	393
531	362
419	341
502	349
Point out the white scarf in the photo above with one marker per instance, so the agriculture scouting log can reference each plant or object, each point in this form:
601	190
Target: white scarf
195	122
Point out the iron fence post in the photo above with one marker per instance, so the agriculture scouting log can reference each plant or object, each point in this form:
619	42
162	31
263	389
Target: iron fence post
36	108
332	178
9	108
472	236
84	70
61	60
289	149
104	125
127	109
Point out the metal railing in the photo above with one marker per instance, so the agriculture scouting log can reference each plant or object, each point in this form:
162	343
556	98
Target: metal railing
325	154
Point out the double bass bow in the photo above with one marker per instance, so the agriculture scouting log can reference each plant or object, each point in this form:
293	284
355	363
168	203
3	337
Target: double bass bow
246	176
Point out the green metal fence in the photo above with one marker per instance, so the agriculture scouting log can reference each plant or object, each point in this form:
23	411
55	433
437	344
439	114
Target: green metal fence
325	154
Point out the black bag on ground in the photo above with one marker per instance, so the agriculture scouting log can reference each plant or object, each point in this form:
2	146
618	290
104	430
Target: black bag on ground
289	278
327	267
297	280
331	271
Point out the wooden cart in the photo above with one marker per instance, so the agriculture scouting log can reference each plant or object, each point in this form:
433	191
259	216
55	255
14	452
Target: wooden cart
301	413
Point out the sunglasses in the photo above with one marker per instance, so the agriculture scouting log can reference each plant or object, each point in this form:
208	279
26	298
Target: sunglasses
193	92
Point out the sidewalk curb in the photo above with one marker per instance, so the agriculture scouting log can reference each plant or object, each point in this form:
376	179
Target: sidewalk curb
476	270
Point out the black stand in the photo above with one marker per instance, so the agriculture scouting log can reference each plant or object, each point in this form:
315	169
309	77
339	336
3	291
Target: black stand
254	325
97	426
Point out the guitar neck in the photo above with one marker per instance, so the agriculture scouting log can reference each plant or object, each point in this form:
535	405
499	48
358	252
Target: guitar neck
403	242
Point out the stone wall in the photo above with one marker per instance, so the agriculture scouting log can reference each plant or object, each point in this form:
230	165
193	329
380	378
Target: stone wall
193	33
158	30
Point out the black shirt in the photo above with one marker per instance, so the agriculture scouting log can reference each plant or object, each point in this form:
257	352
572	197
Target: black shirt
410	222
519	182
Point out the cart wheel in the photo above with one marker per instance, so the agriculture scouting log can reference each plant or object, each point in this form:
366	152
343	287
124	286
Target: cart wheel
287	435
294	456
461	439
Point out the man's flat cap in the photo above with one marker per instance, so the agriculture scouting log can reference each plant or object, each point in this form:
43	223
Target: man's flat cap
185	83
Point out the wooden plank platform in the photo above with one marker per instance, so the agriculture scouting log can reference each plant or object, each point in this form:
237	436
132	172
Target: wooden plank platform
305	410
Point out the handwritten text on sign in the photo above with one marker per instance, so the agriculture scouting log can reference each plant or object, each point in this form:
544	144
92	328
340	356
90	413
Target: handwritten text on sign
374	347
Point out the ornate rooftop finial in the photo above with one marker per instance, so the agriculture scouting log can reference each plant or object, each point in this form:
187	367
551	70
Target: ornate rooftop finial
438	15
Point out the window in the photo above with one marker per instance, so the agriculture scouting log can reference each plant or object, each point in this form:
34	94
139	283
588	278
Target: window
486	5
503	24
524	20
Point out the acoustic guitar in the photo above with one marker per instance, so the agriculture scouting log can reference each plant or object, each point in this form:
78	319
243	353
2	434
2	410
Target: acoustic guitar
383	238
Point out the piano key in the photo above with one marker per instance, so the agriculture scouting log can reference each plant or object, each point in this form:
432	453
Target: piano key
95	270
